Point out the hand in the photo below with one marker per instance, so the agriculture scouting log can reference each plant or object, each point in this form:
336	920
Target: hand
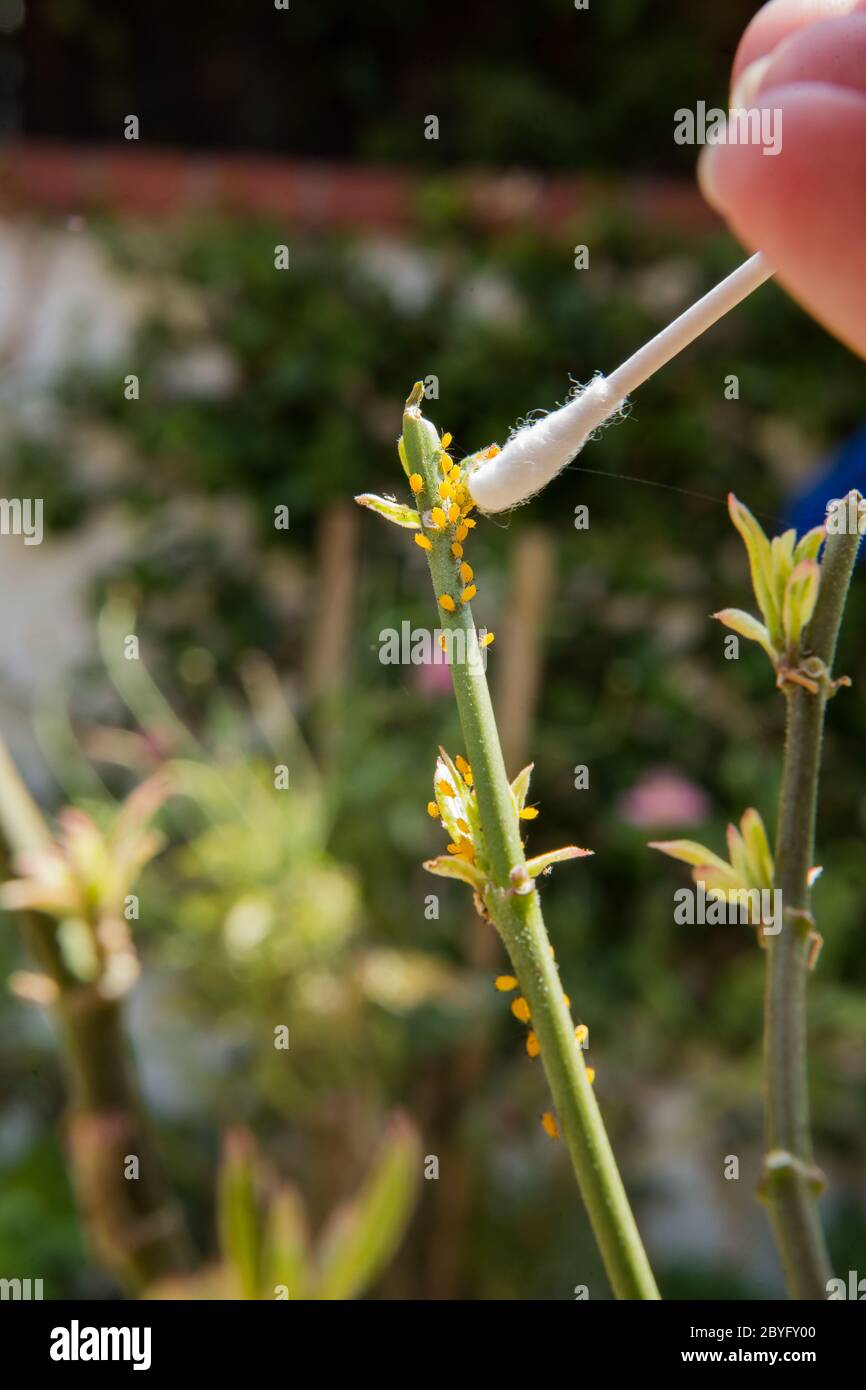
804	207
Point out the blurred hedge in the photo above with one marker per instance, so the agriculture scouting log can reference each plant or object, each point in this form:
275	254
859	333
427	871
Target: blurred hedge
319	359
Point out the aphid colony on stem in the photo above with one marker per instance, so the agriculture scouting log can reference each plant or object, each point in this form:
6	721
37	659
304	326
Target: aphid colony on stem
448	516
483	812
456	807
452	509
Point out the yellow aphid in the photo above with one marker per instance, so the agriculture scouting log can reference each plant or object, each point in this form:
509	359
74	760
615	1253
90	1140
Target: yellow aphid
487	639
445	490
433	810
416	482
462	531
442	643
444	788
457	550
463	850
581	1035
424	542
447	602
466	572
446	461
470	522
492	451
453	512
529	813
533	1046
438	517
590	1074
566	1001
461	825
461	764
549	1125
504	983
551	950
520	1009
445	441
468	593
468	778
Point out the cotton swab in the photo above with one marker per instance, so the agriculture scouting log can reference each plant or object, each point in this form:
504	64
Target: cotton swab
536	453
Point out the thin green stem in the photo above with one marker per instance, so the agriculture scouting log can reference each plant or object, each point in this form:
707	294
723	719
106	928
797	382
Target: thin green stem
521	925
791	1183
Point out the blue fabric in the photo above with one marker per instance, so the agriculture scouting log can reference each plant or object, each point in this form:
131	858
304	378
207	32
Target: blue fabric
844	469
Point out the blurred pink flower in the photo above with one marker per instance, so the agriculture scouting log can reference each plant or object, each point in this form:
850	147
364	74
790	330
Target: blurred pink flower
432	678
664	796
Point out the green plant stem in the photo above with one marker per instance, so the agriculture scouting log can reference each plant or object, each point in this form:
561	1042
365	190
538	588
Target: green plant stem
791	1184
134	1226
521	926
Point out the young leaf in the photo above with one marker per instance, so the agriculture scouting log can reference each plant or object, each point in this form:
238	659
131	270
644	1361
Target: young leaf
401	452
737	855
758	850
537	865
690	852
451	803
286	1245
453	866
782	559
809	544
801	595
362	1236
398	512
520	787
716	881
238	1214
760	562
747	626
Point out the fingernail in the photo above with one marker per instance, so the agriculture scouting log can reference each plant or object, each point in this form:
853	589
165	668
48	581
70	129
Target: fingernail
706	176
749	83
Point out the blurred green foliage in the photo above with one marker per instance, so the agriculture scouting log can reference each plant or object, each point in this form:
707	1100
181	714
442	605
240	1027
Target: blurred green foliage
307	907
265	1245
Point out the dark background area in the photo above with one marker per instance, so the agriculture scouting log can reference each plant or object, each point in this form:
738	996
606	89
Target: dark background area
534	83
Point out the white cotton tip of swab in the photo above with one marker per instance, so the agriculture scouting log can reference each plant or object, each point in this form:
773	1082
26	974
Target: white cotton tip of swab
536	453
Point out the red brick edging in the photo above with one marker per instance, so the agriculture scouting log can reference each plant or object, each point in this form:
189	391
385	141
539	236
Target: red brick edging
150	182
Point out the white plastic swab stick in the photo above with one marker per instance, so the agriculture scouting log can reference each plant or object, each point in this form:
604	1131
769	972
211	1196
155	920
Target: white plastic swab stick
536	453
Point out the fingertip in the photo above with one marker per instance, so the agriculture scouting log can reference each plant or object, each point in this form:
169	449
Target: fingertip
804	207
778	19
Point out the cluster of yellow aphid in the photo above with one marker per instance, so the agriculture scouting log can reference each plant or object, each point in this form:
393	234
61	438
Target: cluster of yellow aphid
456	803
456	806
461	846
521	1011
453	509
519	1007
